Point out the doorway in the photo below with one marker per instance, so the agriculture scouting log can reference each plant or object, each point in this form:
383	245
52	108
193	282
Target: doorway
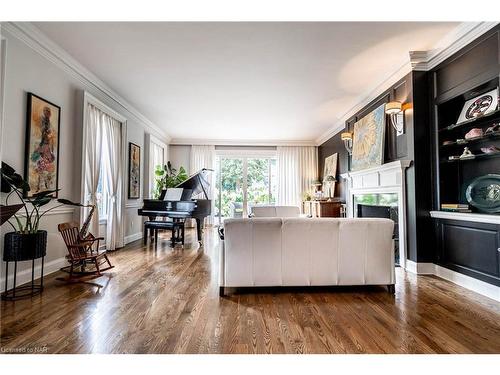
243	181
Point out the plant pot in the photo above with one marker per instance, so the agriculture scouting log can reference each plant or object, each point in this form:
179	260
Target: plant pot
24	246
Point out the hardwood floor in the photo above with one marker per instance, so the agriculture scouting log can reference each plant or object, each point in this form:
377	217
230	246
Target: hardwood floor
166	301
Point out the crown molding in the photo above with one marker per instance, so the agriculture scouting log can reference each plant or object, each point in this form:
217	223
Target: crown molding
39	42
236	142
454	41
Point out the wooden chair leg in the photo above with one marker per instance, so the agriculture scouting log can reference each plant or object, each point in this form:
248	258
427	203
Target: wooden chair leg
182	234
107	260
145	235
156	237
97	266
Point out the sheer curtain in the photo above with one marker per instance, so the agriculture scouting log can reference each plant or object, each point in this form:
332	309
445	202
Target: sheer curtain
112	158
297	168
204	157
103	145
92	154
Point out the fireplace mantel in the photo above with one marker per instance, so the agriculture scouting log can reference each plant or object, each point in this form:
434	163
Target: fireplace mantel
386	178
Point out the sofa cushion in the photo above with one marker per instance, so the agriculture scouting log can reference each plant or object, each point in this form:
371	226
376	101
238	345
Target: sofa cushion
275	211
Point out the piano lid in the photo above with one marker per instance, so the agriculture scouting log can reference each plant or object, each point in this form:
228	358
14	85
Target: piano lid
197	183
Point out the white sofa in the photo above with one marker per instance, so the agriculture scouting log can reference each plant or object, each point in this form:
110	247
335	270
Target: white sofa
307	251
275	211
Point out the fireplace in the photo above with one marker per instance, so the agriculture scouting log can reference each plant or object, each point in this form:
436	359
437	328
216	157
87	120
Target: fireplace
375	209
380	192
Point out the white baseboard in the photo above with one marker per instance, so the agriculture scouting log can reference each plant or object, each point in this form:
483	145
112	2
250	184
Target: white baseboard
420	268
468	282
133	237
25	275
478	286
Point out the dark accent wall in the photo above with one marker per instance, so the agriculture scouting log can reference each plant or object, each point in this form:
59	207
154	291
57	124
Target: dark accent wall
413	145
328	148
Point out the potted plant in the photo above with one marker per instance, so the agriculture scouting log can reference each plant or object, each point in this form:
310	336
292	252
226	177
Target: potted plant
168	177
27	241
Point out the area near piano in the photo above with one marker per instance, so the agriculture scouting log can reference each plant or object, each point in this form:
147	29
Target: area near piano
250	187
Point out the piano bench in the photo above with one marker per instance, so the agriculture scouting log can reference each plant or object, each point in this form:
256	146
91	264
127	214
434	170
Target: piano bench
154	226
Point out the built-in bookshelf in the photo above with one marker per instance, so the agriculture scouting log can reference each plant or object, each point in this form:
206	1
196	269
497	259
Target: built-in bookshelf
455	173
466	239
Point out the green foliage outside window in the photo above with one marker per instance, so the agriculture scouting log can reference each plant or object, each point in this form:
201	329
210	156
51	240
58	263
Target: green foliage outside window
167	177
230	182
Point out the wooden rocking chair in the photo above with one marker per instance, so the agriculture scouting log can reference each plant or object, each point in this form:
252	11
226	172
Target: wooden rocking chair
82	252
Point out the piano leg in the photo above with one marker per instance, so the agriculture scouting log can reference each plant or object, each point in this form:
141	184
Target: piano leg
145	235
199	230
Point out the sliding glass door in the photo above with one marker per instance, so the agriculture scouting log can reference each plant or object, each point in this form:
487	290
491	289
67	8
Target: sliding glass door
243	182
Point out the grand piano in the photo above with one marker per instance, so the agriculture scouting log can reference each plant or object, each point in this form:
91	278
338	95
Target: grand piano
189	205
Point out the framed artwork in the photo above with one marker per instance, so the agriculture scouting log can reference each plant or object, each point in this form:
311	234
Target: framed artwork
368	140
479	106
330	169
41	162
134	171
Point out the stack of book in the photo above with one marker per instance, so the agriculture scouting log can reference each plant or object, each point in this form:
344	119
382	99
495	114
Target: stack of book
455	207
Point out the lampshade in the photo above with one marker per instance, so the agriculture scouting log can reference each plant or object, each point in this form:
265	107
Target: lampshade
346	136
392	108
316	183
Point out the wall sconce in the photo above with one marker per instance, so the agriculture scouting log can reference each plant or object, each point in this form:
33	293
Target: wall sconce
395	110
346	137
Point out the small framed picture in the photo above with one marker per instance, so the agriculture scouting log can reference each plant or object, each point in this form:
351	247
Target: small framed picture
41	161
134	171
479	106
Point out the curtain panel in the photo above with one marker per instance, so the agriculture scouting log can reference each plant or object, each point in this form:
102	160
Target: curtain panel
112	156
204	157
297	168
103	146
92	155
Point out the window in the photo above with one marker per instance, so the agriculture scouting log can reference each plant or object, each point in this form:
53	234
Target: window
243	182
157	159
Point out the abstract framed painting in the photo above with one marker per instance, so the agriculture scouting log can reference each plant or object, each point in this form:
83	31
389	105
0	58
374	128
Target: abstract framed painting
134	171
330	169
368	140
41	162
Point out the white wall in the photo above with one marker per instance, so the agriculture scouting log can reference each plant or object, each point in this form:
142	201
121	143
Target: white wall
180	156
29	71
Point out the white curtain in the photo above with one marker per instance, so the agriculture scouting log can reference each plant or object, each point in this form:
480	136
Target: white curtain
92	154
204	157
297	168
112	158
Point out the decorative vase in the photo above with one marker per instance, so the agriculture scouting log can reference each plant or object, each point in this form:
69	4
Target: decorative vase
24	246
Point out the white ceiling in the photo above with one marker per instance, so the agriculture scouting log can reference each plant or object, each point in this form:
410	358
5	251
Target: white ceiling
245	81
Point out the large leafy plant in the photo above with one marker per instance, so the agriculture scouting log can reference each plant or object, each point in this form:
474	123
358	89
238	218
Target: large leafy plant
13	184
168	177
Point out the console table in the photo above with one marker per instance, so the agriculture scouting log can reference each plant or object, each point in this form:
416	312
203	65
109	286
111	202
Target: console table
322	208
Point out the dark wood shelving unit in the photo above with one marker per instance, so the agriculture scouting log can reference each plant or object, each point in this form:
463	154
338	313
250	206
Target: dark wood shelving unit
486	137
467	246
475	158
454	175
478	121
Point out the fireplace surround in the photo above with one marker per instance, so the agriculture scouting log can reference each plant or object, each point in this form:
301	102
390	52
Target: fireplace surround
387	181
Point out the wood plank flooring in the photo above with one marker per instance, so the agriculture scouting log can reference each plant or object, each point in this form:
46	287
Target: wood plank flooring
166	301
